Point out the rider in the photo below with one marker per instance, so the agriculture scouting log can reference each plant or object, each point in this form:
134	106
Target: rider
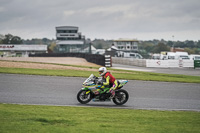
110	80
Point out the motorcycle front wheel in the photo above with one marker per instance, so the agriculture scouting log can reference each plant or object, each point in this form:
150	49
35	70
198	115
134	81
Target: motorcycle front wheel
84	98
121	97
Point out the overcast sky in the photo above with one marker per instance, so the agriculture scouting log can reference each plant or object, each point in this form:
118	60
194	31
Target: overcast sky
103	19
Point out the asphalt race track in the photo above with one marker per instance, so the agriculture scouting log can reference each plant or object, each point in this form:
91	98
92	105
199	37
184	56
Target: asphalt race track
53	90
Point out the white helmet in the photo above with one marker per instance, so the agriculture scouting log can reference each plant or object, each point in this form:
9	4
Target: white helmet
102	71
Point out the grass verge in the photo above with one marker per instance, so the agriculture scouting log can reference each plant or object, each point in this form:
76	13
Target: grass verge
35	118
129	75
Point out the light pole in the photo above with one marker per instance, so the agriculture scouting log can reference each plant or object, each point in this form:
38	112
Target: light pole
173	43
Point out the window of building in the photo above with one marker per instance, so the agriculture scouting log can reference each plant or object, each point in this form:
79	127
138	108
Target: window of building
70	31
61	38
134	47
60	31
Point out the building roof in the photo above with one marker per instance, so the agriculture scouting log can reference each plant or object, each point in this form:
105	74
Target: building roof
66	27
113	47
126	40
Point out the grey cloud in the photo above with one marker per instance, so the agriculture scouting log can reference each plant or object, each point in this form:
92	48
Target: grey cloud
99	17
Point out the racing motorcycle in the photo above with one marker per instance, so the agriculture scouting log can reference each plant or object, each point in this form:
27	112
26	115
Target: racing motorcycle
92	90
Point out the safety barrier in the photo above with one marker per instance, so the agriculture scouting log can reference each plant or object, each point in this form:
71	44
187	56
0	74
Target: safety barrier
129	61
93	58
153	63
108	61
169	63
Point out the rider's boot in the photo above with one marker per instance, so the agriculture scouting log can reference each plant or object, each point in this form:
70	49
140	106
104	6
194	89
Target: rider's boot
112	93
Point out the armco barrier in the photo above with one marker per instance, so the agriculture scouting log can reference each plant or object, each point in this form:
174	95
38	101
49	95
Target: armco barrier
169	63
129	61
153	63
93	58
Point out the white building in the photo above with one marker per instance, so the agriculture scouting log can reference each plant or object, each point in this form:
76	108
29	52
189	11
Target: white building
126	45
68	39
22	50
127	48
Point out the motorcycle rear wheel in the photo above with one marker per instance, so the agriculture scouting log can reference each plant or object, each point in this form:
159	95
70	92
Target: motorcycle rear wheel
121	97
84	98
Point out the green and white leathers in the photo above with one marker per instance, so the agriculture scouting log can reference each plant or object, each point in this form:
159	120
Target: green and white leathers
89	85
92	90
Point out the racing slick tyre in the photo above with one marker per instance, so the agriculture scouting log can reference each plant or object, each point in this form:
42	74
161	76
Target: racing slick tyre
121	97
84	97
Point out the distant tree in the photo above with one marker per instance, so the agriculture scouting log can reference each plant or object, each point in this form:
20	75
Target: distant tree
189	44
170	43
198	44
7	39
99	46
179	44
197	50
10	39
16	40
1	38
189	50
102	44
45	41
52	47
147	46
155	41
192	50
160	47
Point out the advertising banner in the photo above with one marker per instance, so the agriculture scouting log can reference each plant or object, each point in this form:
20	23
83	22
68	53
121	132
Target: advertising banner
23	47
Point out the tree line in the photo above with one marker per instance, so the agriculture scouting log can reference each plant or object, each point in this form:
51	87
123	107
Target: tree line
145	47
156	46
12	39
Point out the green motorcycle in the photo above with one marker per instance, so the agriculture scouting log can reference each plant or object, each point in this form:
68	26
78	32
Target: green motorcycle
93	91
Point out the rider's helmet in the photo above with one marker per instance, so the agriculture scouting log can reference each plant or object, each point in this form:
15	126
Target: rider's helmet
102	71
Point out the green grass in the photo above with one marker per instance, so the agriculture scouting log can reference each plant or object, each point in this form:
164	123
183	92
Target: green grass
42	119
119	74
32	118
